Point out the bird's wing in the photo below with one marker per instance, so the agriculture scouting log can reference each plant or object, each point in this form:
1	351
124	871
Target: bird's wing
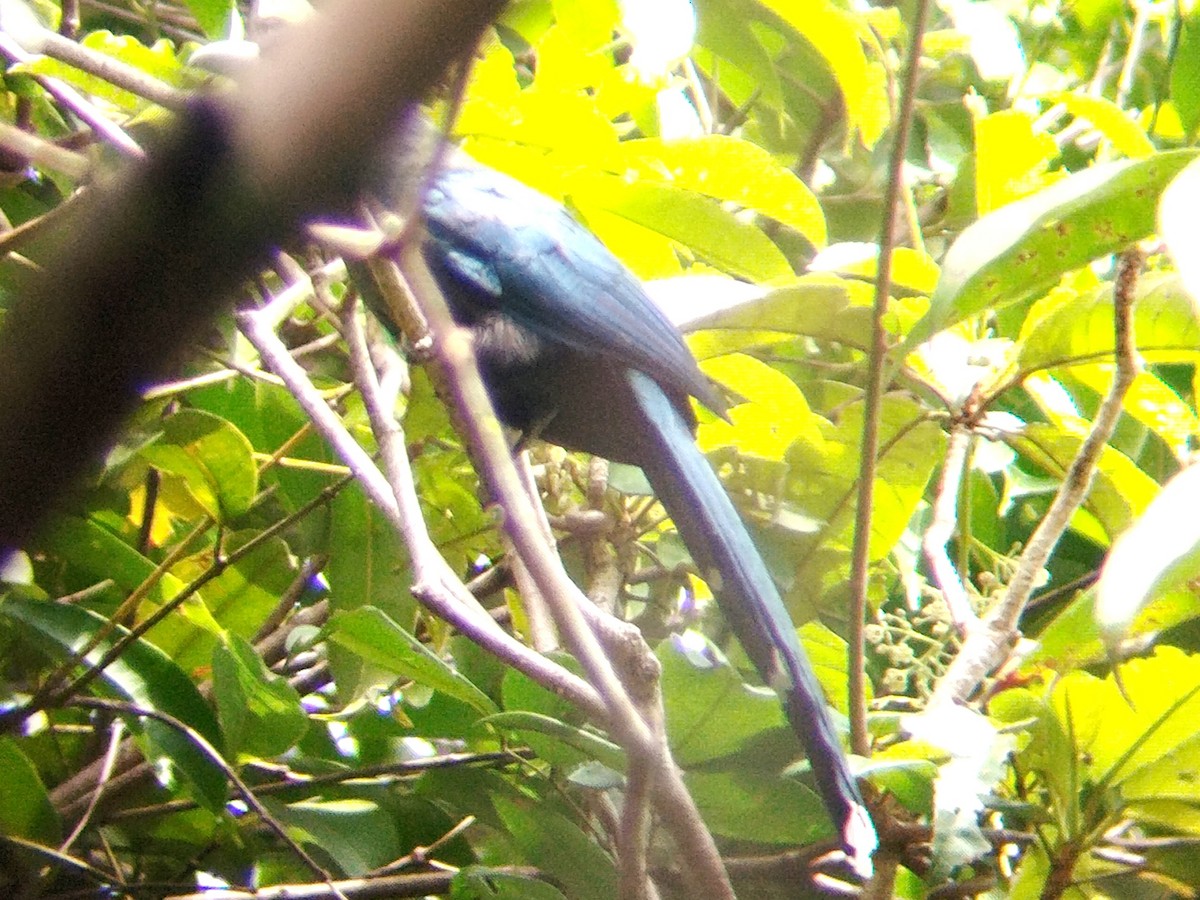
557	280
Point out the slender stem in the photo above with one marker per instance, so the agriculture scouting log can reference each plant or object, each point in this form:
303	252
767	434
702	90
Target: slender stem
877	361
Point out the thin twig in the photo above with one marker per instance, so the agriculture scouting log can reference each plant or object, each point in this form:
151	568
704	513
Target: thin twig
110	69
860	740
437	588
454	352
941	528
108	763
420	884
214	756
988	644
74	101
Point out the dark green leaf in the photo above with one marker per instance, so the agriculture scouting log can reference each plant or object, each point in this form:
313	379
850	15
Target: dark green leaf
375	638
556	845
758	806
587	743
482	883
144	676
356	835
260	712
26	811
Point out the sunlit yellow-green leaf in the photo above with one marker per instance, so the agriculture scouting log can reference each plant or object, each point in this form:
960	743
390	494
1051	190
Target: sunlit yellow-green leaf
646	252
726	168
1150	401
825	484
1119	737
1155	555
536	135
775	416
574	53
1022	249
120	98
698	223
1074	639
158	60
493	76
1010	159
1064	330
1185	73
1126	135
727	41
213	459
834	33
235	601
734	316
911	268
1121	491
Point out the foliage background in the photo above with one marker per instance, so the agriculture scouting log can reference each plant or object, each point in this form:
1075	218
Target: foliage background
743	172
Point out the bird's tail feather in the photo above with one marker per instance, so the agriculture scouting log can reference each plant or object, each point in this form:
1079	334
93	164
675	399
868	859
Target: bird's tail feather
690	491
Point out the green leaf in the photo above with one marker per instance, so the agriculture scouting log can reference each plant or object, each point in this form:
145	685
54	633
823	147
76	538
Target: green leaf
212	15
100	554
726	315
368	566
144	676
727	169
1068	328
1120	491
1022	249
356	835
1116	740
1074	639
905	773
1185	73
1031	874
522	696
829	656
1010	158
85	82
26	811
710	711
236	601
698	223
556	845
747	805
483	883
1110	120
214	460
1153	557
158	61
260	712
589	744
374	637
912	445
835	35
774	417
725	29
1149	401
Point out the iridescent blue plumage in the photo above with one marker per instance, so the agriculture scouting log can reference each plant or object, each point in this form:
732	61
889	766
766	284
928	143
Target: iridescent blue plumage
573	350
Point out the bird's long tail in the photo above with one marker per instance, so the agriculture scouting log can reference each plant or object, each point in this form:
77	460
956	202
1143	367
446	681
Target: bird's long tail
690	491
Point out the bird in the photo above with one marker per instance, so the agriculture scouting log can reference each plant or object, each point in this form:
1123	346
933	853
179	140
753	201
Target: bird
573	351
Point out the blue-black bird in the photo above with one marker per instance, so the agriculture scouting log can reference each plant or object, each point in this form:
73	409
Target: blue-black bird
573	351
